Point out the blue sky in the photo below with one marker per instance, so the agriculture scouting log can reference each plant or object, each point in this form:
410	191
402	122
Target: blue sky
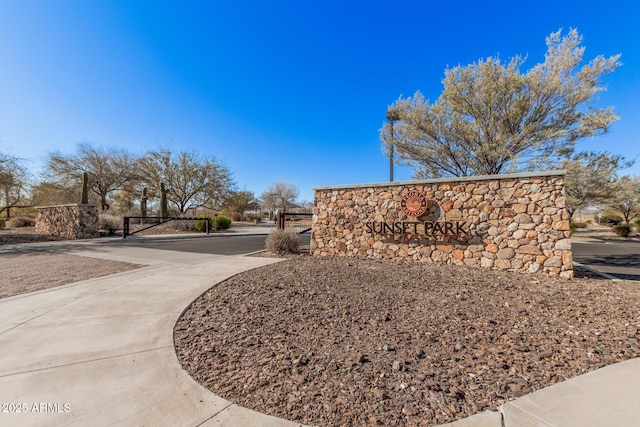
291	91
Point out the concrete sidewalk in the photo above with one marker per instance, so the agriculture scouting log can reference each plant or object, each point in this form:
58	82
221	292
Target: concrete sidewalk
100	352
608	397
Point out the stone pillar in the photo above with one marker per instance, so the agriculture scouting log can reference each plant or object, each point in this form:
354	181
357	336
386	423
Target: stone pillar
76	221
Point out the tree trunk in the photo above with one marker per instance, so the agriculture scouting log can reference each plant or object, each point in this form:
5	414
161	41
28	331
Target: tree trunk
6	199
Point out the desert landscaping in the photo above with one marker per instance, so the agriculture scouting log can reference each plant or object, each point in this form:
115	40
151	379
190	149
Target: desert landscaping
336	341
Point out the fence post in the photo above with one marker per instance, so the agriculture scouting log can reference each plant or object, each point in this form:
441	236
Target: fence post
281	220
125	227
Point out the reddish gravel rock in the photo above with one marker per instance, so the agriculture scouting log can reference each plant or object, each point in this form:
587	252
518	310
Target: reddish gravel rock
336	341
14	236
38	270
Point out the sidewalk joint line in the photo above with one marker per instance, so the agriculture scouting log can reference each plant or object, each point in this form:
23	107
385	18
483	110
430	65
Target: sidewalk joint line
99	359
216	414
528	413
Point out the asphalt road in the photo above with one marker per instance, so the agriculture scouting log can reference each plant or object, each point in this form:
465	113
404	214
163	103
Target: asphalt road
617	258
212	244
219	245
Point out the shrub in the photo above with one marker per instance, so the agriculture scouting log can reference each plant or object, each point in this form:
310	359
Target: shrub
623	230
180	225
283	242
610	219
221	222
235	216
20	221
254	217
2	223
575	225
200	224
109	223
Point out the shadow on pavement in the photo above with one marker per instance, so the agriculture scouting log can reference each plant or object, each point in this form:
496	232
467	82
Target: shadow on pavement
626	261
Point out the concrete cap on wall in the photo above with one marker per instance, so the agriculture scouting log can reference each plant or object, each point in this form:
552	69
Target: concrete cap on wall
451	179
67	205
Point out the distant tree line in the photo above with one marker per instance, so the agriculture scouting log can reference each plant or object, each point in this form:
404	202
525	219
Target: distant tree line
118	181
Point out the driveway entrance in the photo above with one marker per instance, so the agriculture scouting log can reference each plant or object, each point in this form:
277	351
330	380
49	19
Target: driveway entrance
619	258
238	241
218	245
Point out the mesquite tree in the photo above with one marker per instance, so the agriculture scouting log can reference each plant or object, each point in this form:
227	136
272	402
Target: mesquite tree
492	118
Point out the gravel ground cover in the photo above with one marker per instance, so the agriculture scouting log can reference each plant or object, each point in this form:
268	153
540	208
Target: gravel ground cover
29	272
11	236
39	270
335	341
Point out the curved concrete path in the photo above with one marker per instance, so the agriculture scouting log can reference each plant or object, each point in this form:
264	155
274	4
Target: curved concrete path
100	353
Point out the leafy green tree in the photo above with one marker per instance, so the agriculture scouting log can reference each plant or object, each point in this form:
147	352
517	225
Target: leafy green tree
626	197
492	118
191	180
591	179
109	170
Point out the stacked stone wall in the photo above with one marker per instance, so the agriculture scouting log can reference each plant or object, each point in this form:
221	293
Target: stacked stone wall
510	222
68	221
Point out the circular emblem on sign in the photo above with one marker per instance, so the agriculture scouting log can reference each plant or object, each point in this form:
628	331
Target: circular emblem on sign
414	204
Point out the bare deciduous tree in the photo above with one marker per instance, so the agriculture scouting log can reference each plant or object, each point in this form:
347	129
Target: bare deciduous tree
492	118
191	180
50	193
626	197
280	195
591	179
109	170
13	181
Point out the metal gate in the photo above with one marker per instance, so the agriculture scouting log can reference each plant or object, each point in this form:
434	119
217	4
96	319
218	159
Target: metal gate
157	221
294	221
